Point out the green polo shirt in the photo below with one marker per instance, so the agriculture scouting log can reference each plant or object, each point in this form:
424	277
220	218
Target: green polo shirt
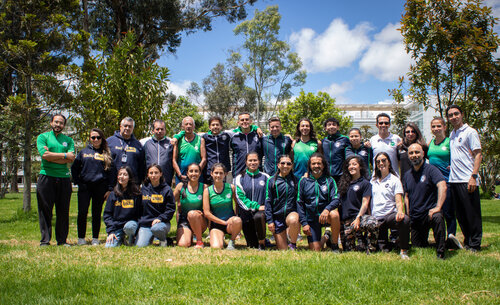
57	144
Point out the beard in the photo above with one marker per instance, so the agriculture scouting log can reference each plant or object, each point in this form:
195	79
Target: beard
416	161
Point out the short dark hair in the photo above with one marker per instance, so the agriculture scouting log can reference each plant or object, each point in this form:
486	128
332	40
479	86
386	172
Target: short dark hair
158	121
438	118
383	114
454	106
274	119
215	118
244	112
332	120
58	114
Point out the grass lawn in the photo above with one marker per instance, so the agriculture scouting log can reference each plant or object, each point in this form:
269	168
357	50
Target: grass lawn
30	274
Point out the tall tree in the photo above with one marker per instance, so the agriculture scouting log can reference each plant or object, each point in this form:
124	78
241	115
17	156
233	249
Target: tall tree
124	83
453	44
158	24
225	92
268	62
37	40
317	108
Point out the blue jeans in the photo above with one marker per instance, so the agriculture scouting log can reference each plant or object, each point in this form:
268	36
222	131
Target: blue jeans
145	235
129	230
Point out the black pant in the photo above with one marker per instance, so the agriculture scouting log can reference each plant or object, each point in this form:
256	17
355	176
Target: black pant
255	229
389	222
52	191
449	213
86	192
468	209
420	231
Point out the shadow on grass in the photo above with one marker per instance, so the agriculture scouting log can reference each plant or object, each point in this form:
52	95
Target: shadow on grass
492	219
21	215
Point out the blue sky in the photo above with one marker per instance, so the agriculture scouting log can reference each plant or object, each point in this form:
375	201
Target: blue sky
350	49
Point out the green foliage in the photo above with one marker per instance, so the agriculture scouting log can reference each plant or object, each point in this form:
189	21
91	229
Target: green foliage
124	83
268	62
317	108
96	275
158	24
453	44
225	92
179	108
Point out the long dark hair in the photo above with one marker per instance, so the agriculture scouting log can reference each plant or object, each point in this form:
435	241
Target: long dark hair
419	139
147	181
278	170
312	134
326	171
346	179
378	173
131	189
106	153
185	182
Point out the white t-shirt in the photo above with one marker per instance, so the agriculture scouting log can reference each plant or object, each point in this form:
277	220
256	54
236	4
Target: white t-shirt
462	143
388	145
384	192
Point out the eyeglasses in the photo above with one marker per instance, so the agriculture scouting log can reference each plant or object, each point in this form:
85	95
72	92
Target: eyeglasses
380	161
384	123
285	163
456	113
96	138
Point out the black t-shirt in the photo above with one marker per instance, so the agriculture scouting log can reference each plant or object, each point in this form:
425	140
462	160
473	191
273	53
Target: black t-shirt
352	200
422	190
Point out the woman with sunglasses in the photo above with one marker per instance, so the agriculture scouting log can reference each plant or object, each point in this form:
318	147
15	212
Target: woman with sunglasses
411	135
387	205
91	172
281	205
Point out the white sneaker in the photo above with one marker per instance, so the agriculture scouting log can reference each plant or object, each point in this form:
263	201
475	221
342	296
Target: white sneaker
81	242
95	242
455	241
230	245
404	255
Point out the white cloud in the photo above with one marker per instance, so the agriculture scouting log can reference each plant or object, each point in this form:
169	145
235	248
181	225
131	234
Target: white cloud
337	91
337	47
179	88
386	58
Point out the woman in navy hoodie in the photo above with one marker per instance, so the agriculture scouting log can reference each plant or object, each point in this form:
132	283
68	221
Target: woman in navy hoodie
123	209
281	204
158	207
91	172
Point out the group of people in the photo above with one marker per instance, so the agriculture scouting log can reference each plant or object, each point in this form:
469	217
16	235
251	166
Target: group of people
359	190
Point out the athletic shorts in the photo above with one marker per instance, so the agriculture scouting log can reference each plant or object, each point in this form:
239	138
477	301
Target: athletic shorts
183	223
316	231
214	225
279	224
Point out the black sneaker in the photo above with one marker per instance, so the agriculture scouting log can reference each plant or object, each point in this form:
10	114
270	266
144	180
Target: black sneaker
328	236
334	248
261	247
440	255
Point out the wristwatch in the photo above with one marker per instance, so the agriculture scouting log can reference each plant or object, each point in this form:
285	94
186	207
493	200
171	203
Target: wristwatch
474	176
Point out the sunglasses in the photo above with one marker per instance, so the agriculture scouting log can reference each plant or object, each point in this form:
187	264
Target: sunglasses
384	123
410	131
96	138
381	161
285	163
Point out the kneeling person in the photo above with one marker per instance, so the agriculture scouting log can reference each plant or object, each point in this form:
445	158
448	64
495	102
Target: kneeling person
425	193
281	205
158	207
317	203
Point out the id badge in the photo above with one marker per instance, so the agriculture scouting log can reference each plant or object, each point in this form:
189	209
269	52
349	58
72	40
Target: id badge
124	157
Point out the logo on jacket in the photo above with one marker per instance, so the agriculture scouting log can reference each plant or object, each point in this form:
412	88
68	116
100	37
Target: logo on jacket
128	203
157	198
362	153
130	149
224	137
65	144
324	188
337	144
356	188
387	185
200	197
459	140
228	196
444	148
262	183
422	179
98	157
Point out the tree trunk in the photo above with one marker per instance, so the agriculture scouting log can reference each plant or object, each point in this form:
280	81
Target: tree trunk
27	150
3	188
